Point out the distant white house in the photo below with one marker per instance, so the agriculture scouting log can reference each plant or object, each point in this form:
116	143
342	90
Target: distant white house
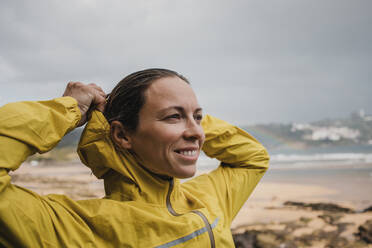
326	133
334	133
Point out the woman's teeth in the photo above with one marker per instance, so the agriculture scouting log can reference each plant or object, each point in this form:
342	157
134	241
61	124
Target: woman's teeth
188	153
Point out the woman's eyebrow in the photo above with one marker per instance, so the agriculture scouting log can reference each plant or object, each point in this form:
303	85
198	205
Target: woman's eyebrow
198	110
178	108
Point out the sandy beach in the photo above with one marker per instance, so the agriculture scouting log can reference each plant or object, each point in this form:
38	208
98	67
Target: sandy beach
272	217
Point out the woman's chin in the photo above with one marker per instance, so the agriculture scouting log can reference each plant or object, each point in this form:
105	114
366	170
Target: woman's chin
185	171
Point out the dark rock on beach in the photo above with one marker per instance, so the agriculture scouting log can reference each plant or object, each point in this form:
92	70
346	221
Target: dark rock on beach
246	240
330	207
331	218
369	209
365	232
263	239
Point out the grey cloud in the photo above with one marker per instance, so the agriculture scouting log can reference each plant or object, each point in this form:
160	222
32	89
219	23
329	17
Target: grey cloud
249	61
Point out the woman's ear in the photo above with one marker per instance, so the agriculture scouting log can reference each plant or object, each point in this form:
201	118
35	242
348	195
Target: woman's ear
119	135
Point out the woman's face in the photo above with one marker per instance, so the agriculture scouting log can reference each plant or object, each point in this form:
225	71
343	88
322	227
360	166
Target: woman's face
169	136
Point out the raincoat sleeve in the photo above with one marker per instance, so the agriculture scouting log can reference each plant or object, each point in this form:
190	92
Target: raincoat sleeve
27	128
243	162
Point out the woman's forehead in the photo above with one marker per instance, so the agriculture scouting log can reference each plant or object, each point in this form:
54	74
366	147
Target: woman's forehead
170	91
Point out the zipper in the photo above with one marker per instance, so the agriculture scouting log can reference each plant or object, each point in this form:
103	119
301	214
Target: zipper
200	214
169	205
208	226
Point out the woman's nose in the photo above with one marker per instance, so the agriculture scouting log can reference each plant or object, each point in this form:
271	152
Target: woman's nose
194	131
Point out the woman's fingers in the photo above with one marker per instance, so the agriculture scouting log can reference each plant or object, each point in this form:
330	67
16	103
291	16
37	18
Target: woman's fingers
87	96
100	100
101	103
99	89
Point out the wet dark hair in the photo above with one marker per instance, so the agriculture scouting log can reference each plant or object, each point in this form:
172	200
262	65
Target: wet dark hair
127	98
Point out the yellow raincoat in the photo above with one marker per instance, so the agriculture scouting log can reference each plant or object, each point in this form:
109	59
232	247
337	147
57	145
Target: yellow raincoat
140	209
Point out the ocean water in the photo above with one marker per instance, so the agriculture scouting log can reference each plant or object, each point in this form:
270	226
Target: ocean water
306	159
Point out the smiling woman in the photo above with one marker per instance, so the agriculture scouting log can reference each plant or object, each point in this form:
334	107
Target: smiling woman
147	136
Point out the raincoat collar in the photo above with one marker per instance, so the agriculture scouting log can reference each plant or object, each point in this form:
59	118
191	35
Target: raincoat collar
124	178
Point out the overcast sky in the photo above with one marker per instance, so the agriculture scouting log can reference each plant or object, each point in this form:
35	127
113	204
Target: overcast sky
248	61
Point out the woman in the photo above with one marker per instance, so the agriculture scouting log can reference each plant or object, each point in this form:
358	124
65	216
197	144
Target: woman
150	134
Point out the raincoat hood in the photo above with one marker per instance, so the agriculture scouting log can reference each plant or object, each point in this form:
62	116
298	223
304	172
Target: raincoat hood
124	178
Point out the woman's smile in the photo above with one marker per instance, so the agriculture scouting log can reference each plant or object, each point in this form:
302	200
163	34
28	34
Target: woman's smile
188	154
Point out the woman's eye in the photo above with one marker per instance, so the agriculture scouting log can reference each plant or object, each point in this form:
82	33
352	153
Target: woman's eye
174	116
198	117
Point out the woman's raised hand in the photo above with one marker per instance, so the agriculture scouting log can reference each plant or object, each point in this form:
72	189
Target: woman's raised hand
88	96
